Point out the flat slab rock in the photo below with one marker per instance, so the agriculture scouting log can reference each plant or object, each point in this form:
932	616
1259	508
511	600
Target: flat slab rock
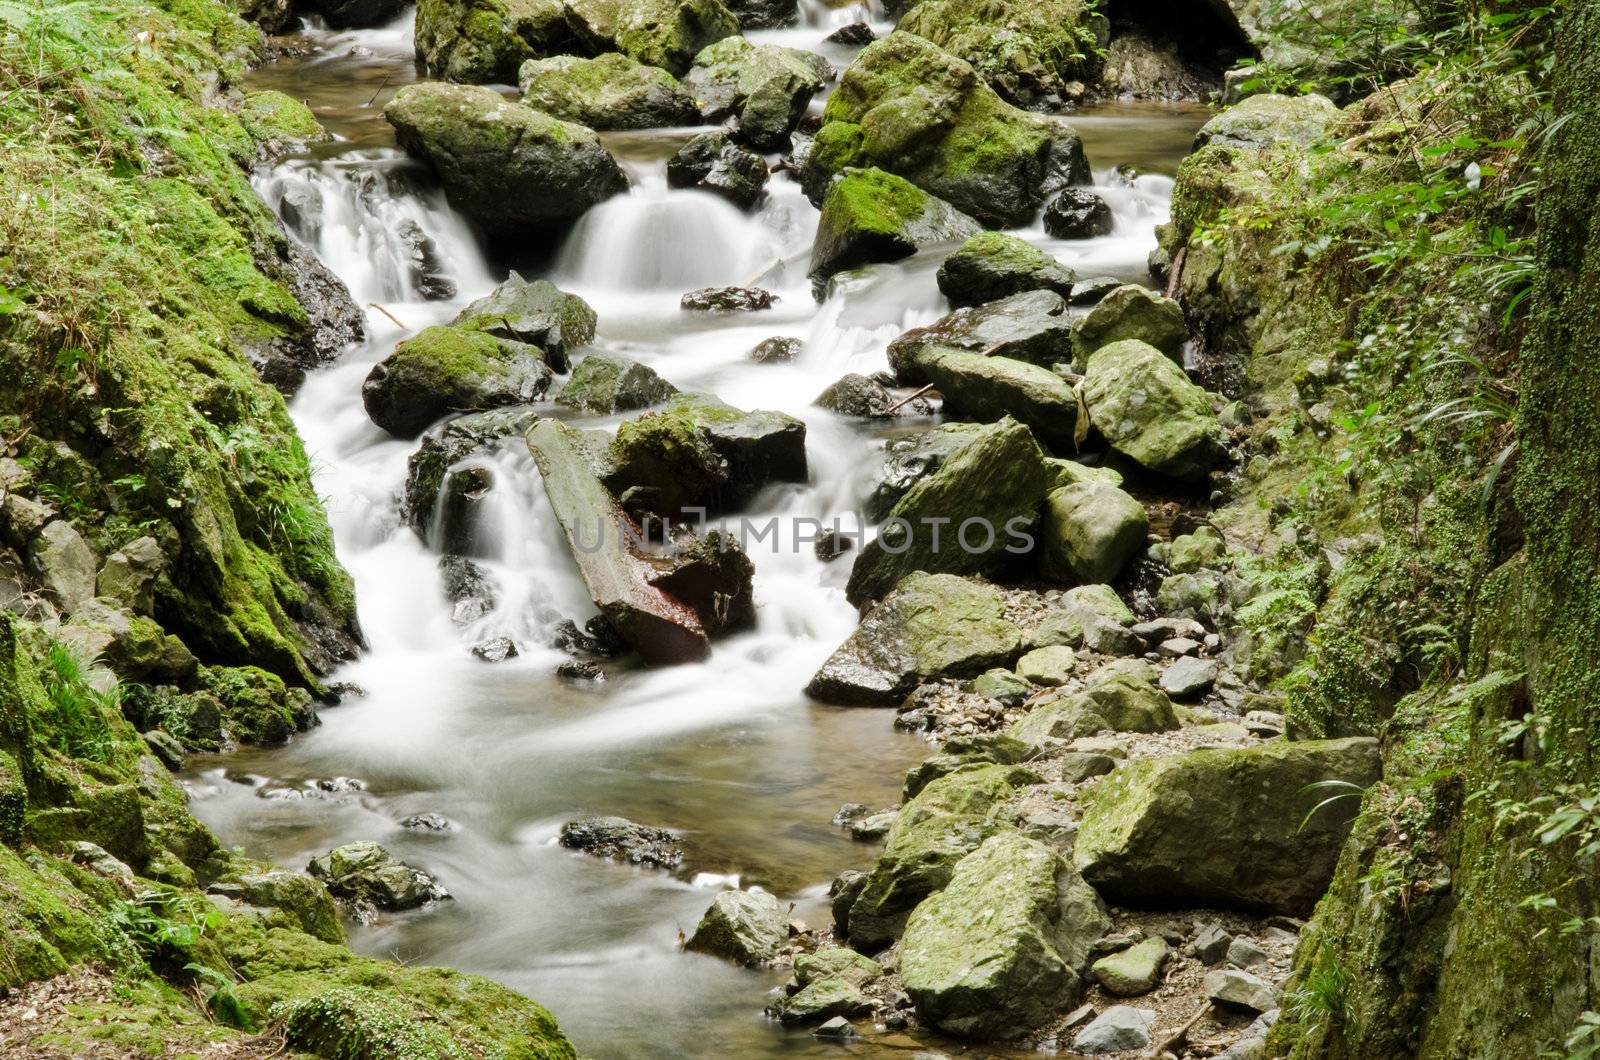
620	839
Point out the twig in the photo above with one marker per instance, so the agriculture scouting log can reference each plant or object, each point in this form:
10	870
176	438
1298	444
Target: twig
383	85
1166	1046
391	316
1176	271
908	399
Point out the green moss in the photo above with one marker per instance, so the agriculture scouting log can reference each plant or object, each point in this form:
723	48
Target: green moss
878	202
1026	50
49	925
270	116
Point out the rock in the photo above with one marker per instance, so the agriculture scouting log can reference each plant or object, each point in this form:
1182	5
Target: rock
856	395
843	892
987	518
538	313
1265	120
482	41
713	576
1088	616
1264	723
1188	553
1133	312
1001	949
727	299
855	35
167	749
837	963
836	1029
1006	686
1091	530
1197	595
430	466
610	91
1050	666
872	216
989	389
1210	944
428	822
1240	990
605	385
1078	214
910	108
746	927
697	451
495	649
821	1000
365	872
1119	697
619	839
670	34
1135	970
447	369
909	459
1223	826
64	565
358	14
780	349
765	14
767	88
1092	290
918	860
1242	953
931	625
1178	647
1160	629
1078	766
713	162
520	174
1118	1029
129	575
1189	678
131	645
831	544
1146	409
994	265
1030	53
1034	326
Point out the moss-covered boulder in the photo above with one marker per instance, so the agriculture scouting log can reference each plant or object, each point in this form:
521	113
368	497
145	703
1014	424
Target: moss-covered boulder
1132	312
988	389
1146	408
301	901
604	384
975	515
1026	51
610	91
537	313
479	41
910	108
1001	950
908	459
448	369
764	87
1089	616
712	162
836	963
1091	530
1267	119
366	872
1119	697
517	172
820	1000
257	706
1133	971
931	625
665	33
917	861
995	265
1034	326
746	927
871	216
1224	827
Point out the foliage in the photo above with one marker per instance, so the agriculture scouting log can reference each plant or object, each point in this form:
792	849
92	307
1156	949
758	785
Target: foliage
80	713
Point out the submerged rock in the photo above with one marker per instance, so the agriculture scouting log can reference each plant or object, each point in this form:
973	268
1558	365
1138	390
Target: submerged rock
765	87
604	384
1034	326
366	872
746	927
610	91
620	839
1146	408
872	216
1132	312
1078	214
448	369
856	34
780	349
712	162
995	265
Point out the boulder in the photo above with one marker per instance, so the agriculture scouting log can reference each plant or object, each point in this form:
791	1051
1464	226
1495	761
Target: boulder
605	384
1121	700
712	575
930	625
483	41
1120	1028
64	565
908	459
908	107
1035	326
819	1001
1050	666
1029	52
1188	553
727	300
304	902
366	872
855	35
1001	949
1092	290
519	173
975	515
1231	988
610	91
446	369
767	88
872	216
1196	595
1146	409
430	465
1088	616
1091	530
765	14
971	790
836	963
746	927
712	162
619	839
538	313
129	575
1267	119
857	395
1133	971
358	14
666	33
989	389
1189	678
780	349
1078	214
994	265
917	861
1224	827
1132	312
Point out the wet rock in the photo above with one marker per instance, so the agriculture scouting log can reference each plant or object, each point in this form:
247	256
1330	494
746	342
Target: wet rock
357	14
856	34
427	269
1002	948
1033	52
765	14
620	839
1034	326
842	894
610	91
519	173
856	395
821	1000
728	299
536	313
871	216
1264	120
988	389
995	265
908	107
1118	1029
428	822
64	565
1223	826
873	826
1240	990
746	927
1050	666
764	87
1078	214
713	162
1146	408
837	1029
1189	678
366	872
468	587
780	349
931	625
495	649
911	458
918	860
460	512
604	384
481	41
1088	616
712	575
447	369
832	544
580	670
129	575
1135	970
1091	530
1092	290
997	512
1132	312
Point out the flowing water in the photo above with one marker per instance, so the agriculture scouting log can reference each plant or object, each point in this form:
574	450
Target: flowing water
727	750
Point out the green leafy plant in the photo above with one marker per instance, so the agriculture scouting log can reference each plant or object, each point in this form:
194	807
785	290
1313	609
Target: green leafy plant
81	714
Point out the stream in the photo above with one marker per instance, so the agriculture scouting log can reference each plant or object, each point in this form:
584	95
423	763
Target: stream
727	750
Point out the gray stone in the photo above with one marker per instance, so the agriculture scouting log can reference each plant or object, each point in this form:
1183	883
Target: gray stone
1266	723
994	265
1034	326
1078	766
1188	677
746	927
620	839
1267	119
1210	944
366	872
129	575
1132	312
1091	530
838	1028
1240	989
1133	971
64	565
1243	953
1118	1028
990	388
911	458
1178	647
1148	410
604	384
609	91
1051	666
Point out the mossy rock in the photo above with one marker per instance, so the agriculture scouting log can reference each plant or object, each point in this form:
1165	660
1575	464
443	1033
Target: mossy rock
1034	326
916	862
989	389
482	41
1269	119
448	369
1132	312
1028	52
604	384
257	707
537	313
994	265
908	459
1091	530
671	33
767	88
1148	410
871	216
746	927
610	91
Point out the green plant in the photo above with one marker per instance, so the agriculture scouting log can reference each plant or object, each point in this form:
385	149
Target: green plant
81	714
216	991
1320	998
166	925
